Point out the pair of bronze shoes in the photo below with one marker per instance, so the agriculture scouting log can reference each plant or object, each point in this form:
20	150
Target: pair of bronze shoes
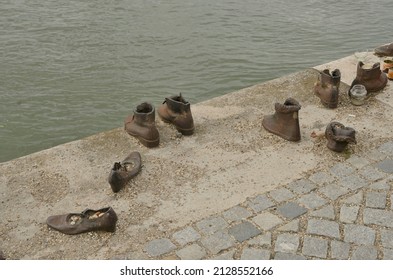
175	110
285	123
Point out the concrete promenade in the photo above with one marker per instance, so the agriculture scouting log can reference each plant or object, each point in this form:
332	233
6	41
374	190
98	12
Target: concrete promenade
230	191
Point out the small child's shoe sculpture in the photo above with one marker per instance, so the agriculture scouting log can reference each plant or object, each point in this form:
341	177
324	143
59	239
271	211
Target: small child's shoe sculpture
339	136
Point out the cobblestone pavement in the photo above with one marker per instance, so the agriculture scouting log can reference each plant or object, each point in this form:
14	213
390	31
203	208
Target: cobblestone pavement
343	213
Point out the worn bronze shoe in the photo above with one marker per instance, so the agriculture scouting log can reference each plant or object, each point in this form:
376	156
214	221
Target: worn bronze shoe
339	136
142	125
124	171
285	121
177	110
390	73
89	220
372	78
327	87
384	50
386	65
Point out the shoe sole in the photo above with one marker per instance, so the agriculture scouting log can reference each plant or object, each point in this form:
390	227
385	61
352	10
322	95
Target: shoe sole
184	131
147	143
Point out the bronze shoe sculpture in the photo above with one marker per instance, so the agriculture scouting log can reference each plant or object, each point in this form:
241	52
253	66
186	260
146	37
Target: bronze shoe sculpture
142	125
327	87
372	78
339	136
89	220
384	50
390	73
176	110
123	172
285	121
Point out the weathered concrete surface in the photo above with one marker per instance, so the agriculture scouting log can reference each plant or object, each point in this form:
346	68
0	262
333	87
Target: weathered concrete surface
228	159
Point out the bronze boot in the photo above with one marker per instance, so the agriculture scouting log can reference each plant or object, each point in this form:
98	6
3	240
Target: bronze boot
177	111
372	78
384	50
327	88
285	121
142	125
339	136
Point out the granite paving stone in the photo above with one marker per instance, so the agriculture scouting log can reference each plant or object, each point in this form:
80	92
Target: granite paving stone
281	194
236	213
378	217
287	243
339	250
225	256
262	240
387	254
302	186
186	235
315	247
386	148
385	165
260	203
323	227
255	254
354	199
291	226
158	247
380	185
372	174
288	256
291	210
211	225
325	212
357	162
349	214
217	242
312	200
267	220
191	252
352	182
341	170
375	155
376	199
359	234
387	238
321	178
364	253
243	231
333	191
